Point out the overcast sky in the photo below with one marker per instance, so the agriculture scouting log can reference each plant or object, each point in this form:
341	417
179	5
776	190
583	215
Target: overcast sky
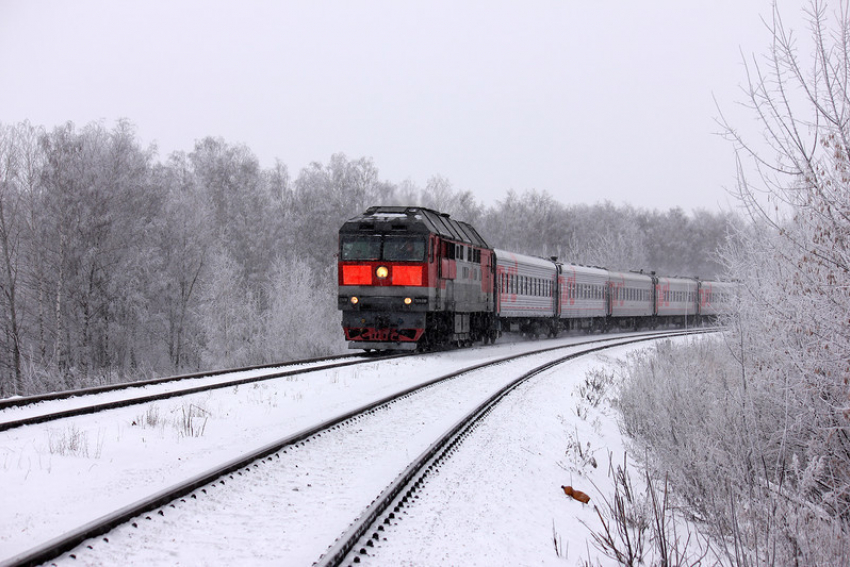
586	100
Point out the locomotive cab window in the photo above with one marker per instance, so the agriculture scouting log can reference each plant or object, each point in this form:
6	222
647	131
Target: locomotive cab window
360	248
372	248
404	249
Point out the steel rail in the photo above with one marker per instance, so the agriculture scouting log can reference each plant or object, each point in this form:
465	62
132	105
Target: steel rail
100	526
65	394
367	529
70	540
94	408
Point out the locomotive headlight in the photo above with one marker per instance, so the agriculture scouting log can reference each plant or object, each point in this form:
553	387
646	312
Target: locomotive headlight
382	272
354	300
407	301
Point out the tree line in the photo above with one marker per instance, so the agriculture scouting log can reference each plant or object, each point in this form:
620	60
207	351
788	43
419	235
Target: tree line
117	265
753	431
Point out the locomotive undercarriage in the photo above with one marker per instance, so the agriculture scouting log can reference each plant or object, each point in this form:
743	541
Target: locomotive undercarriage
416	331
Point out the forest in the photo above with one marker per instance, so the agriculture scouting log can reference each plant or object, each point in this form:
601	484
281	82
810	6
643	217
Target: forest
748	437
117	265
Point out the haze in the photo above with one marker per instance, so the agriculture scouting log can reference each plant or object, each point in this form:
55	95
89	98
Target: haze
586	101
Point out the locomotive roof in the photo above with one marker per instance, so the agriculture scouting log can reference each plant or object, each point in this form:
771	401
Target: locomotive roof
388	220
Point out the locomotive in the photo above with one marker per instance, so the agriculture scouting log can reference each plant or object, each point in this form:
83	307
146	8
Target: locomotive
411	278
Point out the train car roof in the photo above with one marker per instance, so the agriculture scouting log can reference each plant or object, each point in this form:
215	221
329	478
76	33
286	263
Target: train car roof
631	277
387	220
586	270
678	280
504	256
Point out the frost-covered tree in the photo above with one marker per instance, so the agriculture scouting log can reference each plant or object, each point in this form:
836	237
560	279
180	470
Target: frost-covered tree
95	212
757	435
327	195
795	268
303	320
12	214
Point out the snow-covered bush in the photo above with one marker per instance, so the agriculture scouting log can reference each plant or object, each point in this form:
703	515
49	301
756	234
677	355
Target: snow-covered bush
738	455
302	320
755	431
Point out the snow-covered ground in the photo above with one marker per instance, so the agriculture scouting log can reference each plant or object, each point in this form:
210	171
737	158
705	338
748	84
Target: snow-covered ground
51	406
498	502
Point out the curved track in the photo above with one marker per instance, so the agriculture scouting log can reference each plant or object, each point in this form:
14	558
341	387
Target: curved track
367	529
218	476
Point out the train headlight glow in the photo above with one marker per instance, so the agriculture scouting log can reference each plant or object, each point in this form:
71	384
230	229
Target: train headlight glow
407	301
354	300
382	272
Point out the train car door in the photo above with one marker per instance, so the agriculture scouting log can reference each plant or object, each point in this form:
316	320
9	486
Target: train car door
447	275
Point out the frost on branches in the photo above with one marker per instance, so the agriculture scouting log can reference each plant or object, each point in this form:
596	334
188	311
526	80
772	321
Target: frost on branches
792	331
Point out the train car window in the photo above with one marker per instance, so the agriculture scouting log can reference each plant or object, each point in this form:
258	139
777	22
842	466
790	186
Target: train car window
404	249
449	250
361	248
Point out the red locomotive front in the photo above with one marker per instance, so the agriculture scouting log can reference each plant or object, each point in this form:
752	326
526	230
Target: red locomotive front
410	276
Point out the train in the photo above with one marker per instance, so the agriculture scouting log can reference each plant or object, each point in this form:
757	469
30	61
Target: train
412	278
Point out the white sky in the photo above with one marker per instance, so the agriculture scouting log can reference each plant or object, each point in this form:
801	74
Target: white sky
587	100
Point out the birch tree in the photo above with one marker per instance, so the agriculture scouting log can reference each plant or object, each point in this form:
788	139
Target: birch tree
11	379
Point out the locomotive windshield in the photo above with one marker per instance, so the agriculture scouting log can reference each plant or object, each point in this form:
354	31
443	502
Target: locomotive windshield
360	248
377	247
404	249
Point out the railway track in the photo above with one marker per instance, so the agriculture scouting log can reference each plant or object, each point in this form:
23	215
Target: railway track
368	529
17	412
161	503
